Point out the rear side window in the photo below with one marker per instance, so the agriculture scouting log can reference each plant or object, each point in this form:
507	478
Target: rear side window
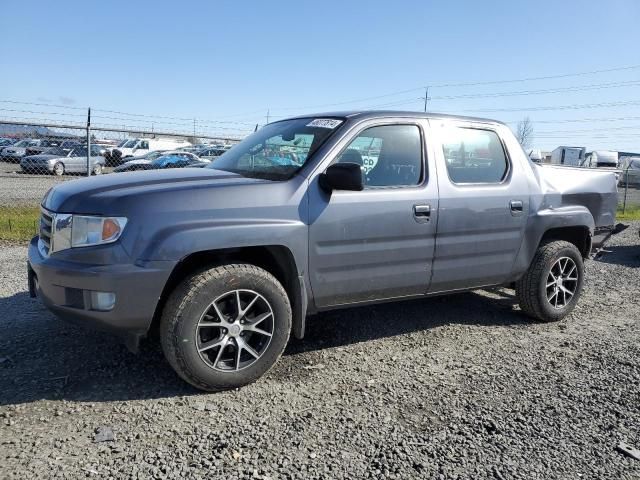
474	155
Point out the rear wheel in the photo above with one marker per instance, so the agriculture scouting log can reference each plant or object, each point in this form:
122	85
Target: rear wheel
552	285
58	169
225	327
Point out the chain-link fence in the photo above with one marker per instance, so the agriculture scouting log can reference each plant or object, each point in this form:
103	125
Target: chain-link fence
35	157
629	187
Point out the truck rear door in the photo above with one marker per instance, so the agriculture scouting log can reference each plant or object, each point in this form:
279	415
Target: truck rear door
484	203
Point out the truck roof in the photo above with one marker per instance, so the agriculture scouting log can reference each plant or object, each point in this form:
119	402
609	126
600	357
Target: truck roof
365	114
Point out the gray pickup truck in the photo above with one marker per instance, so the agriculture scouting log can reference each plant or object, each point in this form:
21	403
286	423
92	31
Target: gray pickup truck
309	214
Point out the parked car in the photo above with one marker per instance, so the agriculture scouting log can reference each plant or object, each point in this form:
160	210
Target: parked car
5	142
59	161
210	153
147	157
13	153
228	260
141	146
47	143
168	160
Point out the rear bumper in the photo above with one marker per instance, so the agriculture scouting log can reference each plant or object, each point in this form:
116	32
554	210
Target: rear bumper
66	289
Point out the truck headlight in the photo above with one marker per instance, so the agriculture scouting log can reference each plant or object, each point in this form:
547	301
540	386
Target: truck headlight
70	231
95	230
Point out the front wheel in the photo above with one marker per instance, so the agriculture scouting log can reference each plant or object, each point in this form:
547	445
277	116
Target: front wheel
552	285
58	169
225	327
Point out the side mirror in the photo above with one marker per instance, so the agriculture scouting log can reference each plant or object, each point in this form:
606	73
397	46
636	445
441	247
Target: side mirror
342	176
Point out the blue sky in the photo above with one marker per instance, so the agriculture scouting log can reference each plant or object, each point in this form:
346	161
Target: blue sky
231	61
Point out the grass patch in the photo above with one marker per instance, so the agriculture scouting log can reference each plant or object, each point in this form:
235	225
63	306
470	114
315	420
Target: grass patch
630	213
18	224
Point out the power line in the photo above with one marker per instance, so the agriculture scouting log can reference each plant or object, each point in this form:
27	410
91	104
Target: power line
559	107
391	94
587	130
578	120
596	86
190	119
464	84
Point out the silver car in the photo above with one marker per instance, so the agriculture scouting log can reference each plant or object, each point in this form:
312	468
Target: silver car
60	161
14	153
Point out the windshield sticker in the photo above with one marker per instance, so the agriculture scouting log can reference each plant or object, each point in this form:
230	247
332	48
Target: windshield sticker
324	123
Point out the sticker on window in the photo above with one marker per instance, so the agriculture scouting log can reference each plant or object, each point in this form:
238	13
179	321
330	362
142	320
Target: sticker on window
324	123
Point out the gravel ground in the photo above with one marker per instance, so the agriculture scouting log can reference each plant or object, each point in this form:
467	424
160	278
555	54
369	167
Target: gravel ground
22	189
17	188
461	386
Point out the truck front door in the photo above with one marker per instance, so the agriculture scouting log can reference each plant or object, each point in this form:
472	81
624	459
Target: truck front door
377	243
484	202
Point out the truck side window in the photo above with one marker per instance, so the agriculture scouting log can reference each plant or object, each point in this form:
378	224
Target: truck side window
390	155
474	155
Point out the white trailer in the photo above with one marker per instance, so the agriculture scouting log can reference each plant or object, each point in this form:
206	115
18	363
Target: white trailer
602	158
573	156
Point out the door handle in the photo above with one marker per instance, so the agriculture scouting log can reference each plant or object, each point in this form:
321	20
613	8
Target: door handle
422	211
516	206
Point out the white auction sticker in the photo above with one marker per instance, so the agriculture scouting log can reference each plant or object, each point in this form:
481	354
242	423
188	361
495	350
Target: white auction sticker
324	123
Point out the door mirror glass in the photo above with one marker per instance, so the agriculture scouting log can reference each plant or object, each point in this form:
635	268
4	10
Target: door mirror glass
342	176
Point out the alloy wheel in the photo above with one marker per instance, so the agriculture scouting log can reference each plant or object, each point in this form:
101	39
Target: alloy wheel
562	282
235	330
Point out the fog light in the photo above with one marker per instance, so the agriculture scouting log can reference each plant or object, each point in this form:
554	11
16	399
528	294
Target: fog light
103	301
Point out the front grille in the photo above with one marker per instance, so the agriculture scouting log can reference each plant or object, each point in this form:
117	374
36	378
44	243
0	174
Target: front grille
46	225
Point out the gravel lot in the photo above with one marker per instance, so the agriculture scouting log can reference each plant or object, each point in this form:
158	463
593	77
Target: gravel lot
17	188
462	386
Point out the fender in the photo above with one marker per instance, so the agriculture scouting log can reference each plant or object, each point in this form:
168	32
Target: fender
541	222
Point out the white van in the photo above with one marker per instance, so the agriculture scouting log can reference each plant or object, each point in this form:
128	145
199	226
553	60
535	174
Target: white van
140	146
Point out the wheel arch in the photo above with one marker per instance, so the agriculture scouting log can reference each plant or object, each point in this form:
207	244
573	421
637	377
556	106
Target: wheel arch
578	235
275	259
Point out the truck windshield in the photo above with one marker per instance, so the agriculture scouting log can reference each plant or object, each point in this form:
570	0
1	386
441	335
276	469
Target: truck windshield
278	150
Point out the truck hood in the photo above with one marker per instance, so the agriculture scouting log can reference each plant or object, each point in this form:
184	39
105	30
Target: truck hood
595	189
107	193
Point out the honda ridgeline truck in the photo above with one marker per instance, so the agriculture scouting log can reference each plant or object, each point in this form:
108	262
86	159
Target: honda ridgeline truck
310	214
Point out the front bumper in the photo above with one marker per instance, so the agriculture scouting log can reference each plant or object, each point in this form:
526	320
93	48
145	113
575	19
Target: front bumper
65	288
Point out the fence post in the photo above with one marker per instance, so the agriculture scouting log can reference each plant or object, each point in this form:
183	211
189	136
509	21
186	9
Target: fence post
89	142
626	189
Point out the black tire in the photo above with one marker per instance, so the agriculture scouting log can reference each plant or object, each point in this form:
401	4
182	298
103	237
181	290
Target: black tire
58	169
186	306
532	288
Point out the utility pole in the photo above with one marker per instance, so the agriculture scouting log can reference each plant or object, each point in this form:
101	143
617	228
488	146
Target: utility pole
89	142
426	98
194	129
267	115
